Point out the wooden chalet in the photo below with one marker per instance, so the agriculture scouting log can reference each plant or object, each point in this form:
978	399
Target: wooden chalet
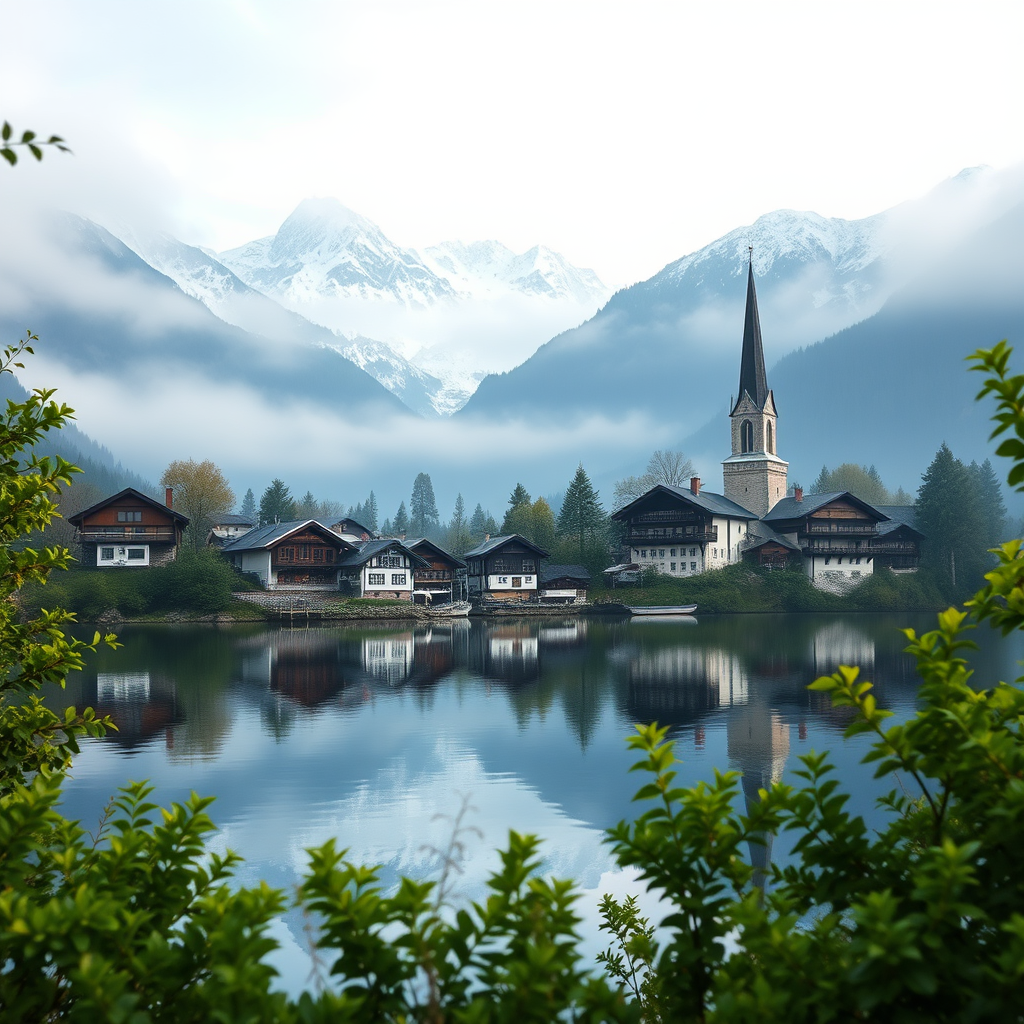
351	530
504	569
228	528
836	533
683	532
765	547
440	581
298	555
382	569
129	529
564	584
898	546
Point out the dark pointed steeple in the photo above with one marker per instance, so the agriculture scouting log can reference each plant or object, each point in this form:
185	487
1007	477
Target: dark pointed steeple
753	379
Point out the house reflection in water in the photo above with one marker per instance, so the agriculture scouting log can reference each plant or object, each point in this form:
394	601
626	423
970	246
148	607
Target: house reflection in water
139	706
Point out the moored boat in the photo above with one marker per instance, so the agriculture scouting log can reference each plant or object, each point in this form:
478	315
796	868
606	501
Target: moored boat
662	609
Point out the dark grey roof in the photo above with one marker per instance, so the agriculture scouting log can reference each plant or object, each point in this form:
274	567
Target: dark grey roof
790	508
899	515
233	520
760	533
498	542
717	504
128	492
365	551
353	522
558	572
753	379
265	536
417	541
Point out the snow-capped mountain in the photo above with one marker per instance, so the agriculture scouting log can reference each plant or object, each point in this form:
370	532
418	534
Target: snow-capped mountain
488	268
325	251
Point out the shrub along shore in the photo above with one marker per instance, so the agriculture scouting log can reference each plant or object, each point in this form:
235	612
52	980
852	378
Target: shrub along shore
202	587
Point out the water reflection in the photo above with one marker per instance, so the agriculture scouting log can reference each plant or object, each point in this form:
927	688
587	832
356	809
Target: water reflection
368	733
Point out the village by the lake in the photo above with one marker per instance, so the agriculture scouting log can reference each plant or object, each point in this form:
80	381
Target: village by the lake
511	514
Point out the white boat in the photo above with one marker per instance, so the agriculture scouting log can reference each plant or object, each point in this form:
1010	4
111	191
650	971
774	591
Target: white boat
662	609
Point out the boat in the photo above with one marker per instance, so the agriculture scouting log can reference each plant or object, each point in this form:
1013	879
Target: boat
452	610
662	609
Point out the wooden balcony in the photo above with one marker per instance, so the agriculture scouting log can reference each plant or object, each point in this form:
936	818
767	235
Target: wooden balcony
837	548
432	576
843	528
128	534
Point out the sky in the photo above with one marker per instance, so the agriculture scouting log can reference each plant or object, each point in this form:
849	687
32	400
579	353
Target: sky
622	135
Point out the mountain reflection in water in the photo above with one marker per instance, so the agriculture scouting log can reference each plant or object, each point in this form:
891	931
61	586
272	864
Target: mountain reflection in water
369	733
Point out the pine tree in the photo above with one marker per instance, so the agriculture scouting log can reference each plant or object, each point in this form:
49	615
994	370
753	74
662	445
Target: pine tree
248	509
276	505
949	516
582	520
823	485
458	539
477	522
371	512
386	530
401	525
990	503
306	507
519	496
423	516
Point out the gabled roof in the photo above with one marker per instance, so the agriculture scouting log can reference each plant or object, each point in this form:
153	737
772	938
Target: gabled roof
899	515
368	549
753	379
499	542
273	533
708	501
760	533
128	492
422	542
233	520
564	572
790	508
349	521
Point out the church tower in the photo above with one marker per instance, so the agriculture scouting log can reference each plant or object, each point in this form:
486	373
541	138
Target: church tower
754	475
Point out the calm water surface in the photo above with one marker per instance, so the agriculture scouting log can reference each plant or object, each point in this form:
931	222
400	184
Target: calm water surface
378	736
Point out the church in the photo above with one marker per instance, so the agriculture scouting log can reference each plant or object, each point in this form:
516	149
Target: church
837	538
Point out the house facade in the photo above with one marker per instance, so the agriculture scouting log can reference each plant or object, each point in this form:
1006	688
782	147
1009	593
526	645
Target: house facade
564	584
504	569
683	532
227	529
129	529
441	579
298	555
381	569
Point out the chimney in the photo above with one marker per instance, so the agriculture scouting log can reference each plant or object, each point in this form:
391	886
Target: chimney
798	493
169	497
695	485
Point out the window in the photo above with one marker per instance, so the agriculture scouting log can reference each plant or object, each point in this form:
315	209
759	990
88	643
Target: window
391	562
498	565
318	554
398	579
770	439
693	567
661	553
375	579
517	582
673	566
673	552
693	551
643	553
106	554
528	565
136	554
746	436
129	517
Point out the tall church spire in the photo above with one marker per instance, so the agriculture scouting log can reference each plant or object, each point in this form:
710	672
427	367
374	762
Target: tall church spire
753	379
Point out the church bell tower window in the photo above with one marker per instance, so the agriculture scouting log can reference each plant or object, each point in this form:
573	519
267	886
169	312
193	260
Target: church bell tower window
746	436
769	438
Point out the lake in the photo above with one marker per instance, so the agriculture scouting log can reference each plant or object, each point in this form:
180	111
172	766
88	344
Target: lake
381	735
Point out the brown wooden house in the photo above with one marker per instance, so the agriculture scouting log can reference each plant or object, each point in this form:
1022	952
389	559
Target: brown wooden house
298	555
440	580
129	529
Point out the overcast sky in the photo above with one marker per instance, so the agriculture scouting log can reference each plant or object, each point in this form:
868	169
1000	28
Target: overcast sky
624	135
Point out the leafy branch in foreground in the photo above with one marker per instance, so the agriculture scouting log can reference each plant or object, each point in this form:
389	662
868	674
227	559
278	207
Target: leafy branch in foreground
29	140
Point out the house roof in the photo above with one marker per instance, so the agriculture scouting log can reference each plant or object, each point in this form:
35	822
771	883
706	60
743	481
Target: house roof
564	572
899	515
709	501
499	542
128	492
418	542
268	536
790	508
761	533
350	522
368	549
234	520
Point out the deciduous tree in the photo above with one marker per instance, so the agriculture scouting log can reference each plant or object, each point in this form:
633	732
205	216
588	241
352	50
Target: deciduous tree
663	467
201	492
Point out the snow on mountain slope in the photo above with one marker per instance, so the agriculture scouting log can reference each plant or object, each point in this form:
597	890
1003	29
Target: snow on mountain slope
325	250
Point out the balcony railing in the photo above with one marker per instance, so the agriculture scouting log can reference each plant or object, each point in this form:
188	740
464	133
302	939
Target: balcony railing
838	548
676	534
129	534
844	527
432	575
658	517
